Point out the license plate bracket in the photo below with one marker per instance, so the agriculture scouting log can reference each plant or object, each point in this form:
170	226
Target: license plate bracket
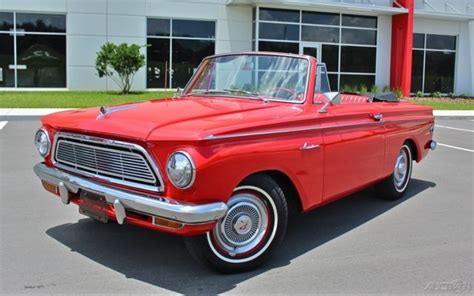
93	205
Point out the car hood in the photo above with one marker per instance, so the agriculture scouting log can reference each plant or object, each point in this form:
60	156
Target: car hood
187	118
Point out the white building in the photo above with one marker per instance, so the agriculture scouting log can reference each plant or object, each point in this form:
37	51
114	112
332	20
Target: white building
53	43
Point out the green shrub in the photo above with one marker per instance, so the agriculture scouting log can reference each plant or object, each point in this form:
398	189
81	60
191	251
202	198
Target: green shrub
374	89
386	88
419	94
398	92
119	63
347	88
435	94
363	89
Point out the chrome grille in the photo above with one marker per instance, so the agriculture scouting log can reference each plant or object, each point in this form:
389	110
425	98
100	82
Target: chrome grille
118	162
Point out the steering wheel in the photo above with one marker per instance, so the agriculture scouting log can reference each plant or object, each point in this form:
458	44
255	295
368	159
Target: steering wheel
283	93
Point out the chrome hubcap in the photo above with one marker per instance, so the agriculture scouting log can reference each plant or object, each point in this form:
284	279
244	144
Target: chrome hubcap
401	169
244	226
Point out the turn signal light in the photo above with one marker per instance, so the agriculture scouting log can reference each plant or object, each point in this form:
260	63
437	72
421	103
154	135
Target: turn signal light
50	187
166	223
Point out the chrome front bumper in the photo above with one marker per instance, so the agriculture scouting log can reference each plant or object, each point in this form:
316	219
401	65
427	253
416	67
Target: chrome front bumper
123	200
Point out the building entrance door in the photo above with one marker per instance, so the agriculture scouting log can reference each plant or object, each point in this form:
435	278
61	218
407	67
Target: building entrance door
312	49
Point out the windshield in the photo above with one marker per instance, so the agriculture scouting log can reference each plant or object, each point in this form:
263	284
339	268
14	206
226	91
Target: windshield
265	77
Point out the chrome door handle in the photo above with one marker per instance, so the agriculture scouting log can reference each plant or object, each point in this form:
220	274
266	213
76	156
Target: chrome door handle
307	146
377	117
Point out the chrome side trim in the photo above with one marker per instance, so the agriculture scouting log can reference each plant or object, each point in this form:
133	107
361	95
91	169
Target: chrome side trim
115	143
301	129
124	200
285	130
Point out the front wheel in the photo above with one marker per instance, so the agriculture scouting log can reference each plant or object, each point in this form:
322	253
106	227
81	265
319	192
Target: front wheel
396	184
249	232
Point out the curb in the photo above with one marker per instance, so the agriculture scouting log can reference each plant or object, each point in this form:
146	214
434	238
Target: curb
26	112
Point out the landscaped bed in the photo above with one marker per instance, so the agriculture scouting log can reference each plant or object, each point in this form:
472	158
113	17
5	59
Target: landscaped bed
81	99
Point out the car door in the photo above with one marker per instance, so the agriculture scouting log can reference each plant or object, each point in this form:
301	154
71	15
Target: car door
354	148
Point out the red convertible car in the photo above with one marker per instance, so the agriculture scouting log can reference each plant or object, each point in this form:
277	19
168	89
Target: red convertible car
251	136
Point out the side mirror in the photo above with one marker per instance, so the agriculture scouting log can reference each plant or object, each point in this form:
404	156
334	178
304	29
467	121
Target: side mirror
333	99
178	93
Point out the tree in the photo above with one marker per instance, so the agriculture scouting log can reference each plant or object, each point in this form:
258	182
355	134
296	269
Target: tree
119	63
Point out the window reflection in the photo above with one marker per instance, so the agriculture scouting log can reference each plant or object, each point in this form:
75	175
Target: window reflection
158	27
7	75
357	36
6	21
35	22
358	59
439	71
41	60
174	54
196	29
320	34
187	54
279	31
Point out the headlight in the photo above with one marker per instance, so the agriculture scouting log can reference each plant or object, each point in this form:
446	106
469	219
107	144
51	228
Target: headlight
42	142
181	170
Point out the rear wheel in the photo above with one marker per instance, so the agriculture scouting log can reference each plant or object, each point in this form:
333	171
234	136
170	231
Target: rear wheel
396	184
249	232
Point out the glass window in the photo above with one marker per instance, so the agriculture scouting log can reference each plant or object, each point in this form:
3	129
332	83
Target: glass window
6	21
36	22
158	63
281	15
7	76
322	81
320	34
358	59
418	40
357	36
357	80
241	75
43	58
279	46
359	21
439	71
278	31
417	71
187	54
333	82
440	42
330	56
197	29
158	27
321	18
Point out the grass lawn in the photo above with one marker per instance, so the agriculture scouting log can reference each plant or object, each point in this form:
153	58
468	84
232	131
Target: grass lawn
81	99
445	103
72	99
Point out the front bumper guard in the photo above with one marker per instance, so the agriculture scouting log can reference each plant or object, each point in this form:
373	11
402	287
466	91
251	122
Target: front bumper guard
123	200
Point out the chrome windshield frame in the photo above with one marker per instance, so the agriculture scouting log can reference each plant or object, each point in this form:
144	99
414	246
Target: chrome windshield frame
254	53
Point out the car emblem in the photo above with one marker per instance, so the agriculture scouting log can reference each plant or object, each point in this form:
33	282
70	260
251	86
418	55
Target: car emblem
104	111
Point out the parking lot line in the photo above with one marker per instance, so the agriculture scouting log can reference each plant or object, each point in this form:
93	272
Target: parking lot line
2	124
455	147
455	128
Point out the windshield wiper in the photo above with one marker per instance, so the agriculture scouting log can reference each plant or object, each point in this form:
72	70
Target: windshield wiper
246	92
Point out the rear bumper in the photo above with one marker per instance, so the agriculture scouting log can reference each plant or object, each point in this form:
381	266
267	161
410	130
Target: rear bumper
123	200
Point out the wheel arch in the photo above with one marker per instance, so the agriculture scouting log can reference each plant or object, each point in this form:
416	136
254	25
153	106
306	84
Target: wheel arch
414	149
292	195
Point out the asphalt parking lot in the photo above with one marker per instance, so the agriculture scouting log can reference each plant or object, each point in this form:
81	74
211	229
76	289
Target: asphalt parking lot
422	243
